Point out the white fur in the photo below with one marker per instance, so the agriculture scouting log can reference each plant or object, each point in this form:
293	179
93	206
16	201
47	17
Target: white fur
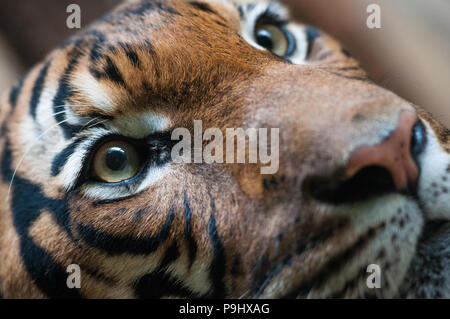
434	163
93	90
98	191
139	125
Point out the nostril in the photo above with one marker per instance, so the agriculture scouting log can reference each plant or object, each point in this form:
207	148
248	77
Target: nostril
369	182
396	153
418	140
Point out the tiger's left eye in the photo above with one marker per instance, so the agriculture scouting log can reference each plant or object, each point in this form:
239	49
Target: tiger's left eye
275	39
116	161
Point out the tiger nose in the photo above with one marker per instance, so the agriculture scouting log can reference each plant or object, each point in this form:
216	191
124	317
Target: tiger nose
397	154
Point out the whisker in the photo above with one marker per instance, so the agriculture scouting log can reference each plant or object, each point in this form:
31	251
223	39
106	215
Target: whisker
26	152
99	122
51	116
244	294
64	111
29	147
263	286
90	121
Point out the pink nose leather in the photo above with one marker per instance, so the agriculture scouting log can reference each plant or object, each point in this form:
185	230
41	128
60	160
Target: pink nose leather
393	154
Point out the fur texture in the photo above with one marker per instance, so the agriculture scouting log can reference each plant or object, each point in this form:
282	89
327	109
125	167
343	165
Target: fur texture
209	230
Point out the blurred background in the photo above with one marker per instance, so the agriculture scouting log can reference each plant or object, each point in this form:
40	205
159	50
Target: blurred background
409	54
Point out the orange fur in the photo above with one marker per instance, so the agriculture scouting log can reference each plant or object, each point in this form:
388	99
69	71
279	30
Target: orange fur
194	64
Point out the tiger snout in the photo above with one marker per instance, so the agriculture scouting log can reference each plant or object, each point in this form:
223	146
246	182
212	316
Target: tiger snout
355	148
348	166
372	170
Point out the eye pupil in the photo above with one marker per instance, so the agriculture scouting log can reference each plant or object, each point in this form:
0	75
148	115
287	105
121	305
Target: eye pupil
116	159
264	39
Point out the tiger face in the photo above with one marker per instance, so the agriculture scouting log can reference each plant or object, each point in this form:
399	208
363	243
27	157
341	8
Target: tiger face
88	178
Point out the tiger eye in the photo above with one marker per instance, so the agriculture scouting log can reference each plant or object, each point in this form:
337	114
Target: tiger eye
116	161
273	38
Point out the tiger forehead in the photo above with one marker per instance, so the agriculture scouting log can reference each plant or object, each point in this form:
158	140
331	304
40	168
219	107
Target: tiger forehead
139	56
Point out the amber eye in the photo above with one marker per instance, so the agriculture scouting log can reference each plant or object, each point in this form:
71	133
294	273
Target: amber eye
274	39
116	161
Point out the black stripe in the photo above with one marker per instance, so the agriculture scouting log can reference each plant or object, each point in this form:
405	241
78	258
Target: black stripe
153	5
203	7
110	201
117	213
57	206
324	55
7	171
61	158
140	213
350	284
121	244
96	46
241	11
37	89
159	284
171	255
335	264
131	54
15	91
217	270
346	53
358	78
149	47
311	35
192	245
64	92
350	68
49	276
13	96
112	72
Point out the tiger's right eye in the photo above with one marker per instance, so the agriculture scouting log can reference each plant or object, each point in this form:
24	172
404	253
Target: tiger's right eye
116	161
275	39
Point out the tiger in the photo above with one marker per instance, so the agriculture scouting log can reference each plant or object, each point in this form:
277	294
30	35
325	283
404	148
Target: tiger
89	181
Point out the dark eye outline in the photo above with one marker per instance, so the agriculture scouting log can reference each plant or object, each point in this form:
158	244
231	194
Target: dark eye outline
311	35
271	18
